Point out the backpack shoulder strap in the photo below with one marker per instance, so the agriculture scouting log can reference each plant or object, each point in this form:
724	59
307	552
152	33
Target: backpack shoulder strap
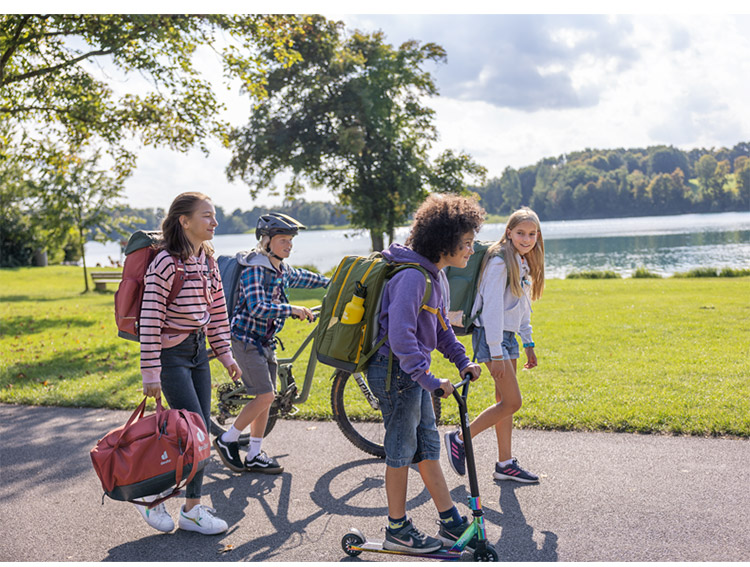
427	293
178	281
427	278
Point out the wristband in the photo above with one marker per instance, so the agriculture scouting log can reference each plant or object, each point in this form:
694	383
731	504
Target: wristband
528	345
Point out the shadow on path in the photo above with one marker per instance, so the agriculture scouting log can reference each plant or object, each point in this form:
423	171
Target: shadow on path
275	496
516	541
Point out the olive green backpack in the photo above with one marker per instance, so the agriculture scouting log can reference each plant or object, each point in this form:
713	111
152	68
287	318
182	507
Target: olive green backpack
349	346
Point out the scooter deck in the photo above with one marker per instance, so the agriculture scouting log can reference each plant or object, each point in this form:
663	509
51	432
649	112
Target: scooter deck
377	547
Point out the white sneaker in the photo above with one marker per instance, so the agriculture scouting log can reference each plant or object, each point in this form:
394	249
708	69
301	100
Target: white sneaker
156	517
200	519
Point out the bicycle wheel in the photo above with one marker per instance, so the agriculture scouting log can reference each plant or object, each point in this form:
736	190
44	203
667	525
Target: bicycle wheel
231	399
356	412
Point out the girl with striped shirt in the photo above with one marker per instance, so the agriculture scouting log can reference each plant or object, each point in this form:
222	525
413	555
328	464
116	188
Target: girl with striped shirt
173	337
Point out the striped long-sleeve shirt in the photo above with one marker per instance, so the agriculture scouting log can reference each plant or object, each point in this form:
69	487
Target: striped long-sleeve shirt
192	309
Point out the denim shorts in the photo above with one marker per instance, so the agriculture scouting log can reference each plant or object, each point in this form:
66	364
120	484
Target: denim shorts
258	368
411	434
482	349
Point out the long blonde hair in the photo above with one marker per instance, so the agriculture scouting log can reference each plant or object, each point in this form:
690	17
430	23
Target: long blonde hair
535	257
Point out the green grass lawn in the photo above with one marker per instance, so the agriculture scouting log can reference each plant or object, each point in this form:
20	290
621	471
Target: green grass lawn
665	355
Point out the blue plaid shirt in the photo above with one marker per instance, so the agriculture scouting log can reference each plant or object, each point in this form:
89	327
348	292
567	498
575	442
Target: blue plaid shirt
262	305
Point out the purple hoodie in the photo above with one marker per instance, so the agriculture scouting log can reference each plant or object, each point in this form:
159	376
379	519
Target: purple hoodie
413	333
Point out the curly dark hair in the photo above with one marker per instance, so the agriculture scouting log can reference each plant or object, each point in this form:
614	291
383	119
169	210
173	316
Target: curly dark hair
440	223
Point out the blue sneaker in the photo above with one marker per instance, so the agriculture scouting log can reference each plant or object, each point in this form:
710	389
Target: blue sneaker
456	453
513	472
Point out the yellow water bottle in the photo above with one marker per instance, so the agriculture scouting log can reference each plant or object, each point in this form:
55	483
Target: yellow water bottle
355	309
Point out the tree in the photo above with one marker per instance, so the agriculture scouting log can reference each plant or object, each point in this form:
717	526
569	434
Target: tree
48	77
350	117
742	174
510	187
666	160
75	193
711	176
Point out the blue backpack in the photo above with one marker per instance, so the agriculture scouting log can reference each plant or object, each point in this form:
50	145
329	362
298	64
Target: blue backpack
230	270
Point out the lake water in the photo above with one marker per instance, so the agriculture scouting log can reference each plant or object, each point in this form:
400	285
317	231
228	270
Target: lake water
663	245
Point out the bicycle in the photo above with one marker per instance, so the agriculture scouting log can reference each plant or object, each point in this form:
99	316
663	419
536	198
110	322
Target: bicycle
354	407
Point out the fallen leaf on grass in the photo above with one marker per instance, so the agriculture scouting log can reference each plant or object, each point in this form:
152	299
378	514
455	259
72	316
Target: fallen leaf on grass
20	375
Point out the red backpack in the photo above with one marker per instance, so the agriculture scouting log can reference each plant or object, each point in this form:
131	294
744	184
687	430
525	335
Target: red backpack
139	253
151	454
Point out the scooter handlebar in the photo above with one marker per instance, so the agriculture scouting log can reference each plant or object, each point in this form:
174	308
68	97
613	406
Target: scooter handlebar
439	392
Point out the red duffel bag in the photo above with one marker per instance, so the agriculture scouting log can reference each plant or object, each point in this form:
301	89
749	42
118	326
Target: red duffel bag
149	455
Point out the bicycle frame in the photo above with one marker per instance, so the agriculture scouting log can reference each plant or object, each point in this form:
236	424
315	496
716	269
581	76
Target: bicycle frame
285	363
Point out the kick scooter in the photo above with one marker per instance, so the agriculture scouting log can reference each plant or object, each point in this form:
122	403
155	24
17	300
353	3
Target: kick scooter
355	542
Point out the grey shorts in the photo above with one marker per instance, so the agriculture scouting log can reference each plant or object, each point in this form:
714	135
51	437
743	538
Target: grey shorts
258	368
482	349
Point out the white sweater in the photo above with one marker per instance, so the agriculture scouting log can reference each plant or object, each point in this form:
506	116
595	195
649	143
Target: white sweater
501	310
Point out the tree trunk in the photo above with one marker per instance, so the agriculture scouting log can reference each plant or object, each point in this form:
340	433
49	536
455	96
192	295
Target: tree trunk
376	237
83	259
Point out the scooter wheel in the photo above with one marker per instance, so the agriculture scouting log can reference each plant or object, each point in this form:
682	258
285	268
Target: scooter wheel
486	554
350	540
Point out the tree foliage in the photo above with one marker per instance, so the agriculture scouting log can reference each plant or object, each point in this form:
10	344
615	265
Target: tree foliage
76	193
54	72
75	85
350	117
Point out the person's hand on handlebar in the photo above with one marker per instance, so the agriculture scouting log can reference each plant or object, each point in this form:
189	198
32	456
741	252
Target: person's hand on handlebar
474	369
302	313
446	387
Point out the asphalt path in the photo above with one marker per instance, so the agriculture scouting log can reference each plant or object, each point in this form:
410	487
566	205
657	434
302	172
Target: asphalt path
602	497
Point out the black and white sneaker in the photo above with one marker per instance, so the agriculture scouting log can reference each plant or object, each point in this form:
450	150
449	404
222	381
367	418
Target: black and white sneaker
410	540
449	536
262	463
230	454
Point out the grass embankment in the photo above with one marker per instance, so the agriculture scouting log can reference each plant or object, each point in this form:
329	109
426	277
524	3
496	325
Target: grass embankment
639	355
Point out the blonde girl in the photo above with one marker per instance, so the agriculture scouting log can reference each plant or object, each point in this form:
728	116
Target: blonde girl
512	277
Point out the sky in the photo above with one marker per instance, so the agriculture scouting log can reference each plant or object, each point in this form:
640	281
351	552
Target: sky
518	88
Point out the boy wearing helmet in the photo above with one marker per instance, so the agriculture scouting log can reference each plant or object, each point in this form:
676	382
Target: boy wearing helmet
259	314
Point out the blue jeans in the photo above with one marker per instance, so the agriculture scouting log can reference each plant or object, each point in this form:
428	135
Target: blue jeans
411	434
186	384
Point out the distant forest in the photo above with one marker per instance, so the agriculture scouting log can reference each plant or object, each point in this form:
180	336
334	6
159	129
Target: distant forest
658	180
